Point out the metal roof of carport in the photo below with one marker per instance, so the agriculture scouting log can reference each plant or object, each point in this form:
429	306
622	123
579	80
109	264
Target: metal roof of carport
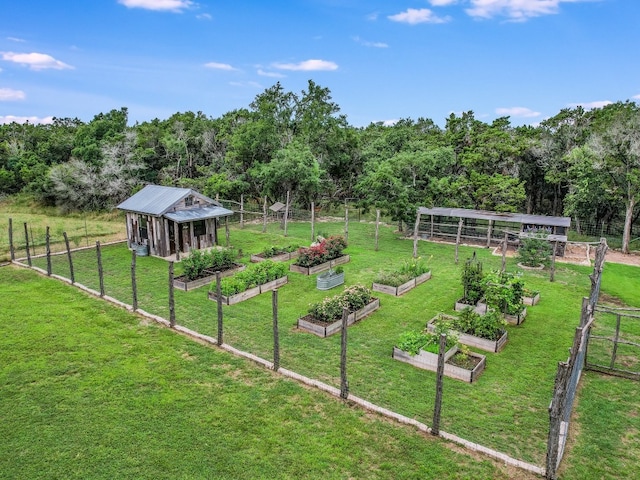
157	199
202	213
523	218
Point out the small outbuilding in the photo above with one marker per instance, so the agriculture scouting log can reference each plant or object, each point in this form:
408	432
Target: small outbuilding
170	220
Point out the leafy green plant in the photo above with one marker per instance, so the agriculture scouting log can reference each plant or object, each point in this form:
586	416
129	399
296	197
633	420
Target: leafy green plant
323	251
409	270
200	262
490	326
472	281
414	341
534	251
330	309
272	250
504	292
254	275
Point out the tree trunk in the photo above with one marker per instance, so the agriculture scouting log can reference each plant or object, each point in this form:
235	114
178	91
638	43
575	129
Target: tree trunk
628	221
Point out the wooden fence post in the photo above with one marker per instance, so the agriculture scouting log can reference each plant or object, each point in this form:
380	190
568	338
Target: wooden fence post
12	251
458	238
48	250
100	272
344	383
276	334
226	229
172	303
66	242
555	419
264	216
415	236
504	251
346	224
219	300
552	270
377	228
286	213
489	229
26	237
134	285
241	211
313	221
437	408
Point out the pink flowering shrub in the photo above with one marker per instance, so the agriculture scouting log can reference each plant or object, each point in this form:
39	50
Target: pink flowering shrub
327	249
330	308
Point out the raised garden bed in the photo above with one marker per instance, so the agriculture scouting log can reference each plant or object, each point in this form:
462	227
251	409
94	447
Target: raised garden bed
405	287
429	361
471	340
516	319
323	329
282	257
183	283
321	267
480	308
249	293
329	280
531	300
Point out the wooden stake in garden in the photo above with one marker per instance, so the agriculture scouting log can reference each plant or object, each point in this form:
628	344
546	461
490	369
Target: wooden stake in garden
26	238
286	213
377	229
415	236
346	224
264	215
134	285
313	221
219	301
344	383
12	251
172	303
276	334
241	211
458	238
100	272
48	250
66	242
435	428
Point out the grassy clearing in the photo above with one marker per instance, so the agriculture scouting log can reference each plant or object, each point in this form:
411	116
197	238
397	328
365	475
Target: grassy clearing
90	391
506	410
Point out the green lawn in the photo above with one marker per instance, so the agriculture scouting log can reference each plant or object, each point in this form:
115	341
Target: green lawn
505	410
88	390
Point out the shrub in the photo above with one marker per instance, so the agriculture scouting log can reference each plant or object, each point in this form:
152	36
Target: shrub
534	251
330	308
321	252
504	291
472	281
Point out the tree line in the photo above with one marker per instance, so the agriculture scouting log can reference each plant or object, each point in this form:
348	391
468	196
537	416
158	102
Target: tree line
579	163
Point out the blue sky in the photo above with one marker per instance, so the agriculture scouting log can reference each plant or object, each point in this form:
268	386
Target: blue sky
381	60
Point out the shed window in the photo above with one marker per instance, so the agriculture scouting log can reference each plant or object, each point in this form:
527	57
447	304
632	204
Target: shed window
188	201
199	228
144	228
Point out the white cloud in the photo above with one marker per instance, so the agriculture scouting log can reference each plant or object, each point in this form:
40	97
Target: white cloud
391	122
220	66
517	112
370	44
264	73
204	16
8	94
6	119
515	10
308	66
373	16
591	105
414	16
15	39
637	97
158	5
35	61
246	84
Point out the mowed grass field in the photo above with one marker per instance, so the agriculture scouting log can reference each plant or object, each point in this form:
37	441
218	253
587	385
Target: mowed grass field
507	408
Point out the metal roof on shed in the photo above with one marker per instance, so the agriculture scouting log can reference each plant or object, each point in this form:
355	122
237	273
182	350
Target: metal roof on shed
499	216
157	199
202	213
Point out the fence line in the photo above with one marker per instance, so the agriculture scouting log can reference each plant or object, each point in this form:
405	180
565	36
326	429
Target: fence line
336	392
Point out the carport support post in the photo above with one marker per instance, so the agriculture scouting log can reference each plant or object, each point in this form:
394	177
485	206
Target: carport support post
226	229
219	298
172	303
489	229
177	234
48	250
66	242
276	335
504	251
437	408
415	236
344	383
100	272
134	285
26	238
458	237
